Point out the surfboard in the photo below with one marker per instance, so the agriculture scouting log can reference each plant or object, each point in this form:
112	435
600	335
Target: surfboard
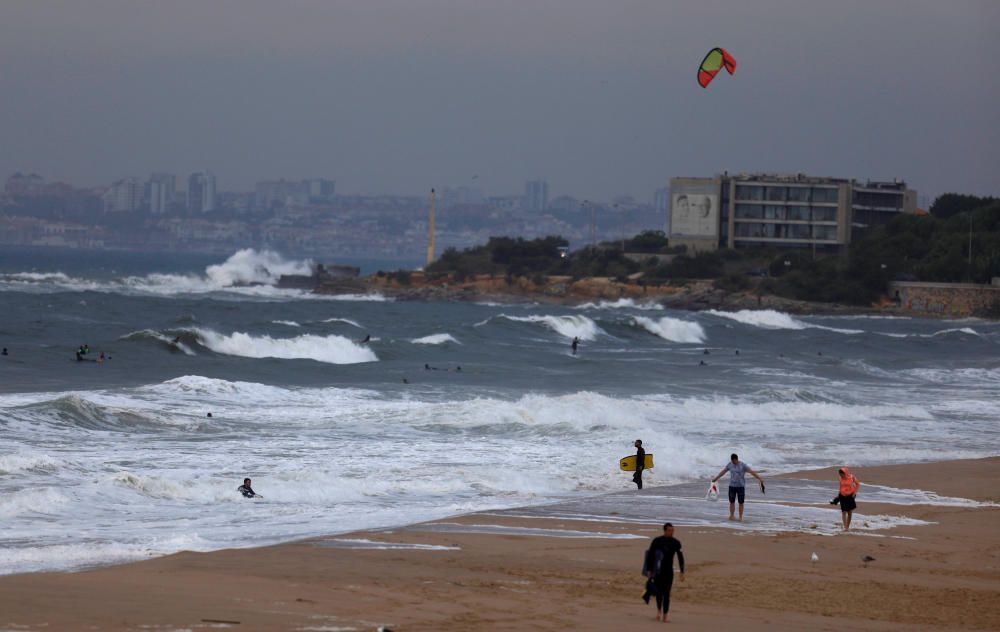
628	463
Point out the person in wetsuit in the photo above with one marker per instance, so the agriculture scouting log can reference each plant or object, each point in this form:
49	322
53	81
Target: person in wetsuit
575	344
246	490
658	565
640	463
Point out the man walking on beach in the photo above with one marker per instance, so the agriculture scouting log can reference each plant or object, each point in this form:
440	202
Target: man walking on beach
737	483
658	565
640	463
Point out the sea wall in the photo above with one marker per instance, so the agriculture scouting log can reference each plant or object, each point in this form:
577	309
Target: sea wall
947	299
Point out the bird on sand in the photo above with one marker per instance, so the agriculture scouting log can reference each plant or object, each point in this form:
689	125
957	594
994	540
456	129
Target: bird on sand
814	558
866	559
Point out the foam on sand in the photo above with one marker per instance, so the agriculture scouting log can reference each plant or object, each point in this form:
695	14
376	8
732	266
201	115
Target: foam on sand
330	349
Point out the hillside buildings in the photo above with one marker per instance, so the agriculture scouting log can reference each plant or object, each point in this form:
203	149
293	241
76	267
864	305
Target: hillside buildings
768	210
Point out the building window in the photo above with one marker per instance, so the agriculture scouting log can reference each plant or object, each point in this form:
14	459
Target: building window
824	214
749	211
799	231
798	213
828	233
776	194
798	194
773	211
824	195
748	192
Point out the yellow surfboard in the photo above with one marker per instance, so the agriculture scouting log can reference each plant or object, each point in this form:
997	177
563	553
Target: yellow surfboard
628	463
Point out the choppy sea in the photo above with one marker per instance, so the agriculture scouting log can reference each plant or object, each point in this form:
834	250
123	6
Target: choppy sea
115	461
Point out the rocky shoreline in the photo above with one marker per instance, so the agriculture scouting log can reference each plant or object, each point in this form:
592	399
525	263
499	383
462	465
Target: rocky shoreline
691	296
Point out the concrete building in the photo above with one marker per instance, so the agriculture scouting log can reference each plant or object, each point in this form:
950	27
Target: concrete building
124	196
536	195
767	210
160	192
201	193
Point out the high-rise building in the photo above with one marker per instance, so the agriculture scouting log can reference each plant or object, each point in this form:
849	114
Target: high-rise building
768	210
161	189
124	196
536	195
201	193
320	189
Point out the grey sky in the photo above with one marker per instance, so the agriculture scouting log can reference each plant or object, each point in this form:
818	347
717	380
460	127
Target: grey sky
599	98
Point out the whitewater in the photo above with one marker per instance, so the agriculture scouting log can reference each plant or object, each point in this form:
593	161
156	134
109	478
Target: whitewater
365	412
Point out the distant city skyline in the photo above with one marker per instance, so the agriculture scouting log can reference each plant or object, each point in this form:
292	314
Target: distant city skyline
597	98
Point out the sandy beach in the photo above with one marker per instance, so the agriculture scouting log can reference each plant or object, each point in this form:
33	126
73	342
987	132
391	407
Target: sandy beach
542	570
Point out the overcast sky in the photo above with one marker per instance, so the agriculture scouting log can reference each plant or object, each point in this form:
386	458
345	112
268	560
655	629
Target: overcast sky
597	97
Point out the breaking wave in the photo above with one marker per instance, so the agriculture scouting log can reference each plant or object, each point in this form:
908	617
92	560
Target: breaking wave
330	349
771	319
672	329
173	343
622	303
435	339
571	326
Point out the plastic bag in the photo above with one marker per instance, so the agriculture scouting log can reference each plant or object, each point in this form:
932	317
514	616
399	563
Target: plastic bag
713	491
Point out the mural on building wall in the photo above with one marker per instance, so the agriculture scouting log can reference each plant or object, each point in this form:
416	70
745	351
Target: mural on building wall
694	211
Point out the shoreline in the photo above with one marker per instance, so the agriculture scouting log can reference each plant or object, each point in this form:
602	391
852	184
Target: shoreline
692	296
454	574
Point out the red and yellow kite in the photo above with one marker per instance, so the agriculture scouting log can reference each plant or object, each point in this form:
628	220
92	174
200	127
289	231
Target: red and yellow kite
714	61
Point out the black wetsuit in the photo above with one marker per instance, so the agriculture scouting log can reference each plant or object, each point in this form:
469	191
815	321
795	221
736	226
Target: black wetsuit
246	491
660	561
640	465
576	341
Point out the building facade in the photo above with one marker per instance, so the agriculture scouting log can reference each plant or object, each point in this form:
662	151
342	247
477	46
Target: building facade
201	193
536	195
124	196
766	210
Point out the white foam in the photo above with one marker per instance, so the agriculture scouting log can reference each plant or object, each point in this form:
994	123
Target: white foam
373	297
287	323
771	319
28	461
361	543
435	339
150	333
570	326
348	321
622	303
331	349
672	329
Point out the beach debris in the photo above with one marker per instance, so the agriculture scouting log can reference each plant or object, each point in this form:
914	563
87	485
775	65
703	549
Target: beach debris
382	628
230	622
814	558
866	559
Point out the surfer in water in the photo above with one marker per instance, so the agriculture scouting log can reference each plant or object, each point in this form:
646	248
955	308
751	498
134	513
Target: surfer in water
366	339
658	565
575	343
640	463
4	352
737	483
247	490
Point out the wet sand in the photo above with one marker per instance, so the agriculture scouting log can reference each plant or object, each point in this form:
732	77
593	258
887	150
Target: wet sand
575	566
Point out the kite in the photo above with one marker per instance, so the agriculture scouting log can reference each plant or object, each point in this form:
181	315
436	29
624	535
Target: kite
714	61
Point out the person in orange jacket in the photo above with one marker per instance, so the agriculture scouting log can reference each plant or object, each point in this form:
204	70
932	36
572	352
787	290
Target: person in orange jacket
847	495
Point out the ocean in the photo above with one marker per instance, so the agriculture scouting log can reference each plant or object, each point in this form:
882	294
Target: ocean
449	408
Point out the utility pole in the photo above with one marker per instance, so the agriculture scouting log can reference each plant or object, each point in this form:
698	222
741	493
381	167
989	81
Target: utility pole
430	231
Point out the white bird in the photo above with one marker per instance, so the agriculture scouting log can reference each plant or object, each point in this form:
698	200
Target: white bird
814	558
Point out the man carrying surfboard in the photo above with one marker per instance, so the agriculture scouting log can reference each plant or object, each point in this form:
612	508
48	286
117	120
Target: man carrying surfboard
737	483
640	463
